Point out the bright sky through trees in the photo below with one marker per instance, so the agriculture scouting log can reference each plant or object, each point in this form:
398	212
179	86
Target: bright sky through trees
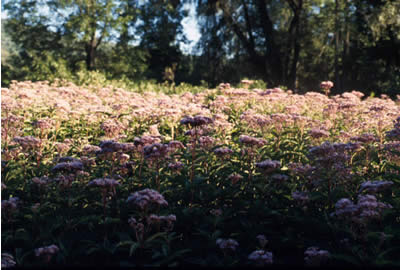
189	23
190	28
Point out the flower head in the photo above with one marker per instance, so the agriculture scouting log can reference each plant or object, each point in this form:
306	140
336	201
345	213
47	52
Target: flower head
155	151
103	182
28	142
326	85
227	244
196	121
223	151
261	257
68	166
314	256
147	197
251	141
46	252
375	186
7	260
268	166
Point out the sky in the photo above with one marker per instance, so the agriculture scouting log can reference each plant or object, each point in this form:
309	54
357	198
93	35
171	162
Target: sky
190	29
189	23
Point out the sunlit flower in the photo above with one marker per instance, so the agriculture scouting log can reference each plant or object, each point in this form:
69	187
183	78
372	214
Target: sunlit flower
155	151
147	197
175	166
196	121
28	142
268	166
251	141
223	151
318	133
91	149
43	124
68	166
42	181
326	86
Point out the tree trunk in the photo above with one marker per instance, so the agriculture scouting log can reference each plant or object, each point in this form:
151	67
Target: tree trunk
337	83
294	42
273	56
90	57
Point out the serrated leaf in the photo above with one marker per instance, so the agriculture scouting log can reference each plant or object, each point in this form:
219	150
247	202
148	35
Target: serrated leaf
133	248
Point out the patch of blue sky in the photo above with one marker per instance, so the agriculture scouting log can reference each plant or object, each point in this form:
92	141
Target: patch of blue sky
189	23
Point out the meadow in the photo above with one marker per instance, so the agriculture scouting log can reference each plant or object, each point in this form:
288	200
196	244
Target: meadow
102	176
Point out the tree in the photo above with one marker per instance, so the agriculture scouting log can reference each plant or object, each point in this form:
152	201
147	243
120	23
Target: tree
160	29
89	22
258	27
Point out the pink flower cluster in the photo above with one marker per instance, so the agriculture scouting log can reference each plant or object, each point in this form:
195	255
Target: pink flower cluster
394	134
366	209
42	181
10	204
196	121
175	145
103	183
301	197
375	186
147	197
46	253
261	257
223	86
223	151
43	124
155	151
318	133
110	146
28	142
175	166
314	256
49	250
91	149
145	140
68	166
7	260
227	244
268	166
365	138
326	85
157	220
251	141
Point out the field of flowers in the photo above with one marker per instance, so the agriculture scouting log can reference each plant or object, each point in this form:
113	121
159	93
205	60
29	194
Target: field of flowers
96	176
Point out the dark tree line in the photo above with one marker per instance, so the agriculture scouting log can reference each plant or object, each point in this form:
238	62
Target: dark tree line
292	43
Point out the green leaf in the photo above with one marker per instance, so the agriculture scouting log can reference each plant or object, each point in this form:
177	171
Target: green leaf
154	236
133	248
347	258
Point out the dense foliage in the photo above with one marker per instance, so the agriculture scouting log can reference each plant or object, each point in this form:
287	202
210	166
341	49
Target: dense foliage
229	176
356	44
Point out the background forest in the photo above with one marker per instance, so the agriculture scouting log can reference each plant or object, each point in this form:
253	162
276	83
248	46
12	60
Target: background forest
292	43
